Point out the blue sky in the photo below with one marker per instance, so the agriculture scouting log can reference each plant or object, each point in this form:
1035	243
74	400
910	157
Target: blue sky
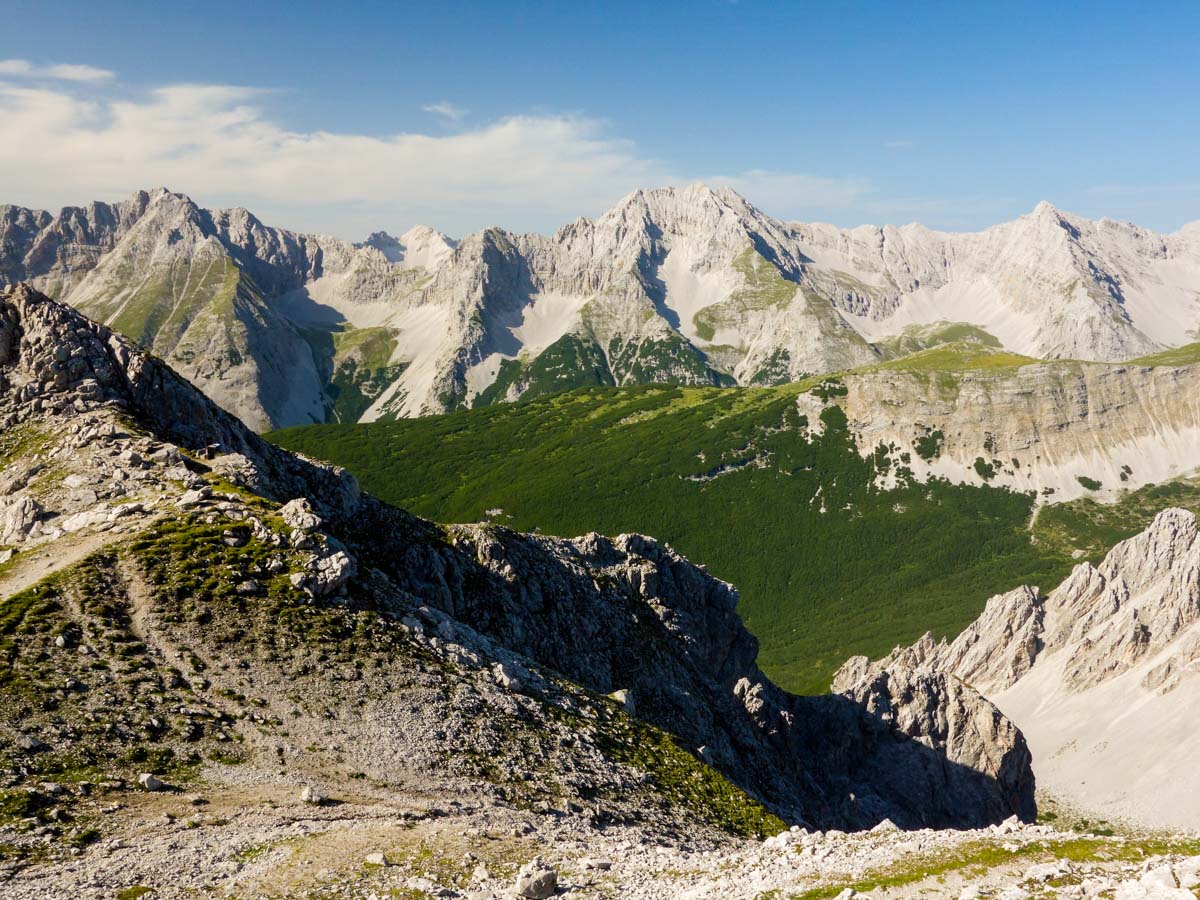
353	117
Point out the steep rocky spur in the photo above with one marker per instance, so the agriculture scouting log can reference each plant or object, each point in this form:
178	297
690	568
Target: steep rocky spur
185	599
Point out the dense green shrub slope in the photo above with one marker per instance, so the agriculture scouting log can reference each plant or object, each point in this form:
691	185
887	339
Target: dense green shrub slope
827	563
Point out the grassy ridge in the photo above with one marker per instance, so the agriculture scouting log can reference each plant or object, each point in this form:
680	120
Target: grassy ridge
1186	355
915	338
827	564
954	357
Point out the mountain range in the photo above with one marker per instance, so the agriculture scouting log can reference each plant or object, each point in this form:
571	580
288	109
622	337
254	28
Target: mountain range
685	285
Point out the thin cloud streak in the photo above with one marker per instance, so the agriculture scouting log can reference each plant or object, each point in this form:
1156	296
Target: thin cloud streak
23	68
447	111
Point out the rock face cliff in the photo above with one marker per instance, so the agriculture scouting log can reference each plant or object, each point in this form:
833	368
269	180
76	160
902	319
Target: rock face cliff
213	546
688	285
1062	430
1101	673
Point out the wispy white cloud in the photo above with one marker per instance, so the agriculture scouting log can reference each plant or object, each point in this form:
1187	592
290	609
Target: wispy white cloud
23	68
70	72
61	145
446	110
900	144
58	147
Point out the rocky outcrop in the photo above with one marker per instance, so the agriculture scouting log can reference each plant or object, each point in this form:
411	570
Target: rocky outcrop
941	711
990	654
622	614
1101	623
1101	673
55	362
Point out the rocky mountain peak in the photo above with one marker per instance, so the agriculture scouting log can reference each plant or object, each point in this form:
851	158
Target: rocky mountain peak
674	209
1045	221
422	247
992	653
390	247
169	199
1146	557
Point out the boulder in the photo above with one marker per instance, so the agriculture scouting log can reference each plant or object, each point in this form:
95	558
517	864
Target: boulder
299	514
331	573
1159	877
193	498
1188	873
30	744
18	520
238	469
231	538
625	698
506	677
536	880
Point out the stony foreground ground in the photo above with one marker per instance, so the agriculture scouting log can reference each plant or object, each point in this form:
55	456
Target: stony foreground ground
243	834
